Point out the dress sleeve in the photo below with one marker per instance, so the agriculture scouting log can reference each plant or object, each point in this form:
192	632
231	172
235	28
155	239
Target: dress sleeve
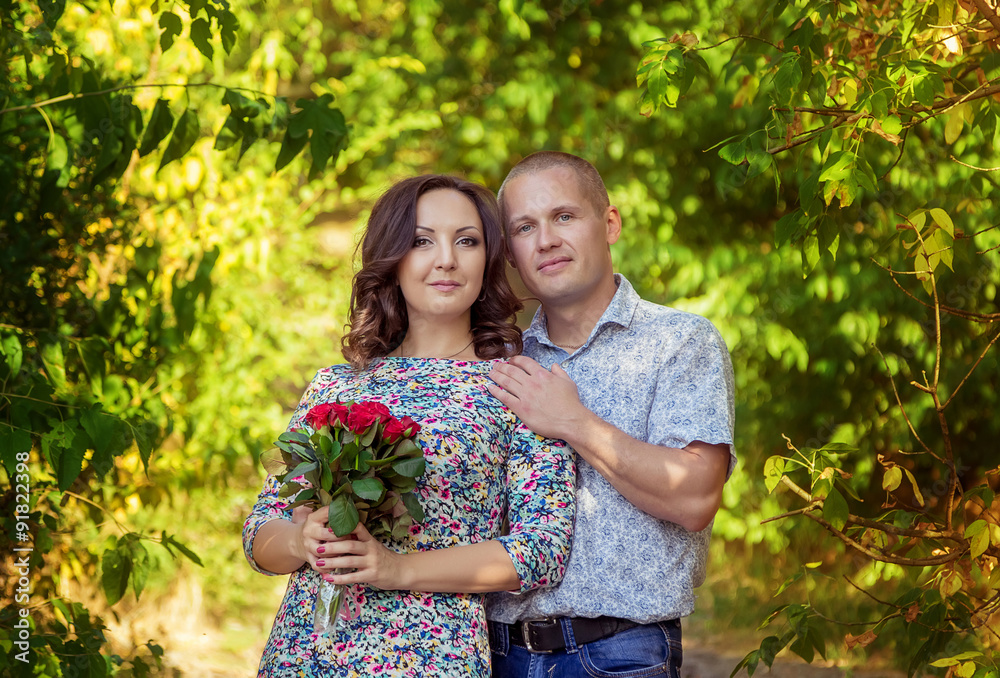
269	505
541	501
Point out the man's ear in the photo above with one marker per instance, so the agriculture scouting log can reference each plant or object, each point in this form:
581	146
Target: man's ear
613	221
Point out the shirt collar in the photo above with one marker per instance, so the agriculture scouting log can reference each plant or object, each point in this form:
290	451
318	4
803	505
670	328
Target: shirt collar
619	312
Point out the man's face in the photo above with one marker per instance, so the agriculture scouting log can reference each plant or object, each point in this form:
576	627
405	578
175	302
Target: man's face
558	239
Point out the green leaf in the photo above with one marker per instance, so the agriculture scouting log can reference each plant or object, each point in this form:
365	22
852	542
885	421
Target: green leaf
101	428
171	25
892	124
788	582
294	437
760	161
91	352
835	510
201	35
58	155
140	566
55	364
161	120
411	468
169	541
12	442
71	460
13	354
52	11
916	488
291	146
942	219
810	254
978	535
891	479
229	26
957	659
369	489
185	134
115	570
55	440
787	78
326	127
774	469
837	167
144	433
325	478
413	506
343	516
734	153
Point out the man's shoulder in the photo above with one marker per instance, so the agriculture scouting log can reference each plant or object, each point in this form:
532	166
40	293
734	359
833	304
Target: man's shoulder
650	315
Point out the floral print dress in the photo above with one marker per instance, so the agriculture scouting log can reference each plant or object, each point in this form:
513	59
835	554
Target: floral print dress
483	465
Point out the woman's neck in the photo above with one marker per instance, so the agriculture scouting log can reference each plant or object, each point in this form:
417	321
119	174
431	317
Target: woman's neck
423	340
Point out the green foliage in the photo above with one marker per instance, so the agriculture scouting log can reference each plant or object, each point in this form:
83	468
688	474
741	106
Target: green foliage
188	298
850	106
98	315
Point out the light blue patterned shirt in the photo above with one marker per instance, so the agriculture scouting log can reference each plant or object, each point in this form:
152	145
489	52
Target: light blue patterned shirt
662	376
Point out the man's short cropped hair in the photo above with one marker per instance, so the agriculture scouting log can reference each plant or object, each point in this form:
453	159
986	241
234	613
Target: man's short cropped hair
590	180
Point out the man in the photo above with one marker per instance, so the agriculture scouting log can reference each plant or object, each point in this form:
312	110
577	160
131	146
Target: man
644	394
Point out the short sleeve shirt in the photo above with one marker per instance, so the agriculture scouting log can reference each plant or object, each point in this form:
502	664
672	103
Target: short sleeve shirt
664	377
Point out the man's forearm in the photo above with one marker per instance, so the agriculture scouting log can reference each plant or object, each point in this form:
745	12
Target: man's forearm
683	486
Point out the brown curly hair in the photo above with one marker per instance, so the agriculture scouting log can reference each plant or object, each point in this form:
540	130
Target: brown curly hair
378	320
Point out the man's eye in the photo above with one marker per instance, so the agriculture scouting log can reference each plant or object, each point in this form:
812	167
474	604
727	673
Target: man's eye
564	217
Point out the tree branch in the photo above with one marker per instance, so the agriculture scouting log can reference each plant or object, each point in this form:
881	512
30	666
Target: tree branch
82	95
972	369
988	12
884	557
902	409
950	310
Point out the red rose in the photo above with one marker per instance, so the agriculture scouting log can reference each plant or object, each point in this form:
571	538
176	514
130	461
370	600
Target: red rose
400	428
339	413
382	411
363	415
319	416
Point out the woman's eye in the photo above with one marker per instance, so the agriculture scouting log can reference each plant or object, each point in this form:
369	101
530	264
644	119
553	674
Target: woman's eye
468	242
420	242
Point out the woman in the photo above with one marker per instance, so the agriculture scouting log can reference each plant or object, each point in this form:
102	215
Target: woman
431	312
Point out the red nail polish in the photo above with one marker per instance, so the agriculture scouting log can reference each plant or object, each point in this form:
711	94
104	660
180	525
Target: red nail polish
321	549
320	563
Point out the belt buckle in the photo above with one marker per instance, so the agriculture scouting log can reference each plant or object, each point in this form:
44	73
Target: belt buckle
526	633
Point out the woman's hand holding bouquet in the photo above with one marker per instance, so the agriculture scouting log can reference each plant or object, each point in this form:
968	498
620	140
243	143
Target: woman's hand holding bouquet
361	463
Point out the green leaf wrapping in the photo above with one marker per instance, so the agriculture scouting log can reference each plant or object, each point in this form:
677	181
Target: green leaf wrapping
343	516
411	468
369	489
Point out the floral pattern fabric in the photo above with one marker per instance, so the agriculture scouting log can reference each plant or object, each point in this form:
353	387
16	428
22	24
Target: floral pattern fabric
483	465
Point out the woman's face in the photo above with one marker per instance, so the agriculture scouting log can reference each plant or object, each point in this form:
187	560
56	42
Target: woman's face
442	274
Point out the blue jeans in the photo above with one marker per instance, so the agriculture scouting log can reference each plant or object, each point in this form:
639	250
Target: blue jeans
648	650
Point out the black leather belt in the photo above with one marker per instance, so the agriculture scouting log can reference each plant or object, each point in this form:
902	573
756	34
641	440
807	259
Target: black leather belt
546	635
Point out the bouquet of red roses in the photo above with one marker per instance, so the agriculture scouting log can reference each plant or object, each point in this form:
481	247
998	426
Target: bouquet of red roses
362	463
